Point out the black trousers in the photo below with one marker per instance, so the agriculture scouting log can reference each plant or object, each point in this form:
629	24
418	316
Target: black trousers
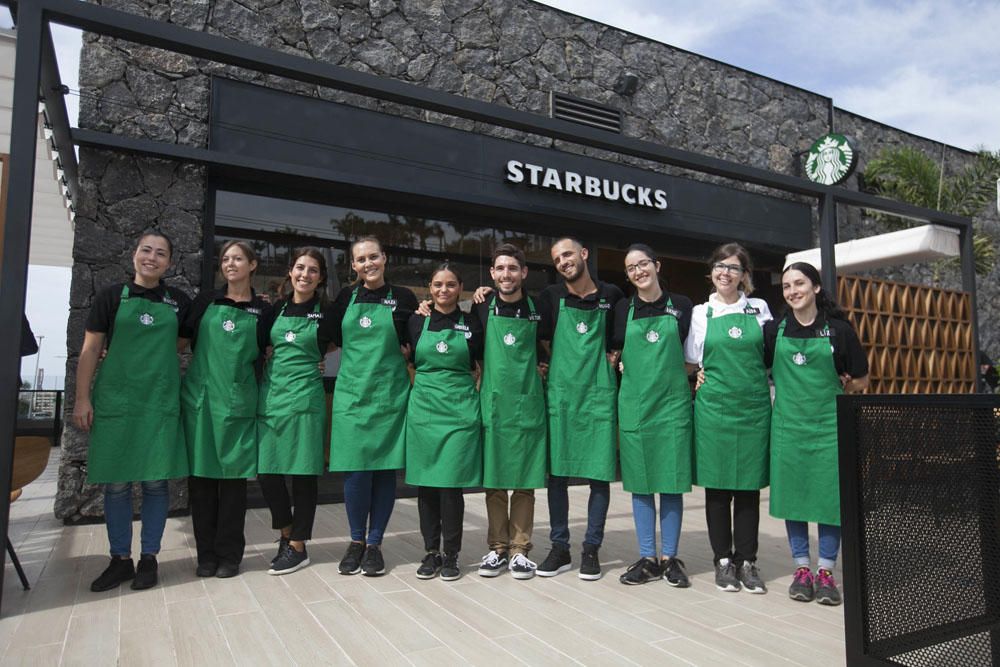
305	492
218	513
441	514
738	528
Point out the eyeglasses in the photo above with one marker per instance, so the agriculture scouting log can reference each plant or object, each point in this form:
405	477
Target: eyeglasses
641	264
727	268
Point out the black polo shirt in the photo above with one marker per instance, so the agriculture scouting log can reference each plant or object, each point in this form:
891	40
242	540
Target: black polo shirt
441	321
610	293
681	304
848	355
406	305
326	317
105	307
519	309
255	306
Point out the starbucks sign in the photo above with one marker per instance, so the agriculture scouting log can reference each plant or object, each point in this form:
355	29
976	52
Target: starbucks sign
830	160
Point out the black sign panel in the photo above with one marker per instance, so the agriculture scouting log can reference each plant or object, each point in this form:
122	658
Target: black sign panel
385	153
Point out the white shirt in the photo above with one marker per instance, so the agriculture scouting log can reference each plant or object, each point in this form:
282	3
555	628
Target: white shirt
694	346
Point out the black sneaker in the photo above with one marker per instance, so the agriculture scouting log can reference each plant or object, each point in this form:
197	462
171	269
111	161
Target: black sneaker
673	572
802	585
557	562
372	564
493	564
429	566
290	561
282	543
751	579
725	576
449	568
351	562
206	569
118	571
522	568
826	588
227	570
590	565
640	572
145	573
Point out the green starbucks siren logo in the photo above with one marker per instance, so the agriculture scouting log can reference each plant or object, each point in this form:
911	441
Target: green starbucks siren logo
831	160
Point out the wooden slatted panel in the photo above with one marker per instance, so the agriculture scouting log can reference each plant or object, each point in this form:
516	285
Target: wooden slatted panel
918	339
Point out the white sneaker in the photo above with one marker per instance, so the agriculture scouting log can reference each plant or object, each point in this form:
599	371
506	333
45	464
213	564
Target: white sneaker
493	564
522	568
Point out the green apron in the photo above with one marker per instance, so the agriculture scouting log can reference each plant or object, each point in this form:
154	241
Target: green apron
443	428
732	410
654	407
805	485
369	400
513	403
581	397
291	412
219	395
137	434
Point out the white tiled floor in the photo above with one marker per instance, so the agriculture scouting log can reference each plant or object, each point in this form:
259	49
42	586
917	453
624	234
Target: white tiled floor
318	617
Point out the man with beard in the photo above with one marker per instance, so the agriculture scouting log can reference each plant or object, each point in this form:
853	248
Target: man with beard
581	403
516	333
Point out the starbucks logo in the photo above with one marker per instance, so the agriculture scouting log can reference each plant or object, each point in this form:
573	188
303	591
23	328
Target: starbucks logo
582	328
441	347
799	359
365	322
146	319
830	160
735	332
509	339
229	325
652	336
289	336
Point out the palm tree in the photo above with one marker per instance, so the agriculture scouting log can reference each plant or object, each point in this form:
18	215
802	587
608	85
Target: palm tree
909	175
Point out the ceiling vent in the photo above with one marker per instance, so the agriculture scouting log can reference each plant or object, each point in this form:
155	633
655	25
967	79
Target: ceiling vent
585	112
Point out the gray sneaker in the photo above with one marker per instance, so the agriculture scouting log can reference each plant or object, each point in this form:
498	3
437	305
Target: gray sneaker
750	578
826	588
725	576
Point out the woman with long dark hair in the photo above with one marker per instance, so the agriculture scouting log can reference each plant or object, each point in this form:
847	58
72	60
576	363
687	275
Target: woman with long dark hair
295	333
732	416
654	414
814	355
444	447
369	402
219	410
134	419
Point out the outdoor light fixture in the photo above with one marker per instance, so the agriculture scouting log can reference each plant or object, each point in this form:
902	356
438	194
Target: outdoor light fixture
627	84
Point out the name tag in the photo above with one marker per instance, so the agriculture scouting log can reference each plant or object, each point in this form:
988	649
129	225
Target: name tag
751	310
314	316
389	302
603	306
253	311
672	311
461	327
534	317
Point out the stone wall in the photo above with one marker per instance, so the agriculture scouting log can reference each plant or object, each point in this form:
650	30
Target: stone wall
508	52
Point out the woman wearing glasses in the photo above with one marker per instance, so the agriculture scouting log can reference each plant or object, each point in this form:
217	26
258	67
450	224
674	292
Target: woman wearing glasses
654	414
732	416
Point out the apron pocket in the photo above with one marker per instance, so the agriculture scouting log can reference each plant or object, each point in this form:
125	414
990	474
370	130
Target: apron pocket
243	399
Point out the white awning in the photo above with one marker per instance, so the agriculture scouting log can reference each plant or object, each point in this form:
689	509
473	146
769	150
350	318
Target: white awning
908	246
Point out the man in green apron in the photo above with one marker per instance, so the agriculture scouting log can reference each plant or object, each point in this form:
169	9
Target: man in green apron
582	410
514	417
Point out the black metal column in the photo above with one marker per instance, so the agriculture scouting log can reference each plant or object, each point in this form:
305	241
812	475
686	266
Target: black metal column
17	230
827	240
968	255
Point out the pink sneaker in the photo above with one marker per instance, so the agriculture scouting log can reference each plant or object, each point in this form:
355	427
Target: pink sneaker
802	585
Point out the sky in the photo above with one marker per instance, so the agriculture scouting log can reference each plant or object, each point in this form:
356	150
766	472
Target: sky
931	68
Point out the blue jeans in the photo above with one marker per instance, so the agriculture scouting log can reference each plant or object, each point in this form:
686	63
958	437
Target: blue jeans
369	496
798	540
644	515
118	516
597	511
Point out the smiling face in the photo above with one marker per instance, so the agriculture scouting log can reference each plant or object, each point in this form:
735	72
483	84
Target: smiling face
570	259
726	276
445	290
368	261
305	276
235	266
508	274
641	270
151	260
799	292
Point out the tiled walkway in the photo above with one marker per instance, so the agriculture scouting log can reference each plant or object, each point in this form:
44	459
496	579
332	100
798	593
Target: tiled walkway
318	617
